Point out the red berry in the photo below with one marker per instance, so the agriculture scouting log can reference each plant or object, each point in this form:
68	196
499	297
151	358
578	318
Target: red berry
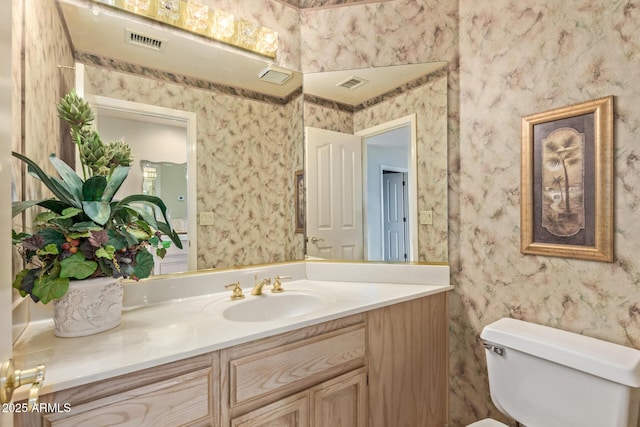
66	246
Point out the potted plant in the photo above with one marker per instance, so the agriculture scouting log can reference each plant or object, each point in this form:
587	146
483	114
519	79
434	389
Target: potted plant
83	235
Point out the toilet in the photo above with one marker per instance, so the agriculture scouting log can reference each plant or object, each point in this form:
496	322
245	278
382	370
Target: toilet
546	377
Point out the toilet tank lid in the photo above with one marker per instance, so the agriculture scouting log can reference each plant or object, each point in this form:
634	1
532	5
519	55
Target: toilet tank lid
604	359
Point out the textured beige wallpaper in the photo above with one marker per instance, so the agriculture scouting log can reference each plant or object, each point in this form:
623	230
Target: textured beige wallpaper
517	59
40	47
247	153
513	59
506	59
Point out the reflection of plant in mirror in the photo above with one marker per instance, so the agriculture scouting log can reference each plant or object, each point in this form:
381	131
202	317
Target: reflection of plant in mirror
85	233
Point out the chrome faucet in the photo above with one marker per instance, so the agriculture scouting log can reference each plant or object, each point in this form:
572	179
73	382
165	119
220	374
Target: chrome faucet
257	287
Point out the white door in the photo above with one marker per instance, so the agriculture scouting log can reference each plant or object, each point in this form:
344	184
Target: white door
395	223
6	344
333	174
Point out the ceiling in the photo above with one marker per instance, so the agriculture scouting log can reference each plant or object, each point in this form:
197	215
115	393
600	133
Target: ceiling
379	80
102	31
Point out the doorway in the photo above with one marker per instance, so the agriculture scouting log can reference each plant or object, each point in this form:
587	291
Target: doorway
395	210
160	138
389	170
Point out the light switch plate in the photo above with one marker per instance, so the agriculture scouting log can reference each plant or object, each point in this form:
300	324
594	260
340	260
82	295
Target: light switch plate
426	217
206	218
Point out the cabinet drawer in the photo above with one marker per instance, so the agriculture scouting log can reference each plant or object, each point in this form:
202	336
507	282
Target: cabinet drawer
296	366
175	402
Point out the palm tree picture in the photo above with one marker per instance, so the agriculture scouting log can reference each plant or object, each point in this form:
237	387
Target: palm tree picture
563	178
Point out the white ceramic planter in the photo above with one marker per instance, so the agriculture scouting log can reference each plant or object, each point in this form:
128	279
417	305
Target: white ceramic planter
89	306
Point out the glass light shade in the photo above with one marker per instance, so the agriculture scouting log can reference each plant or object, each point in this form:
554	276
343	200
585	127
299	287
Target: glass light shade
196	17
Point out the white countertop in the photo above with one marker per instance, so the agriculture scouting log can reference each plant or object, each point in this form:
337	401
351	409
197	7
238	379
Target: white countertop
168	330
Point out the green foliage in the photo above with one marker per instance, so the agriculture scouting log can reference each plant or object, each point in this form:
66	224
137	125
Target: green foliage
84	232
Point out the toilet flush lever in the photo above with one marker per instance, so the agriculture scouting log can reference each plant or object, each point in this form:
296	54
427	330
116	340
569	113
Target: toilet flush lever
492	347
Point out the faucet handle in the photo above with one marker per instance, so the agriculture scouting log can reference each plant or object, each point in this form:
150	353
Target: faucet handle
236	291
277	283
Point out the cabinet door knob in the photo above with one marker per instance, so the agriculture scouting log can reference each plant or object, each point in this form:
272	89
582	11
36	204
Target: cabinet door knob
11	379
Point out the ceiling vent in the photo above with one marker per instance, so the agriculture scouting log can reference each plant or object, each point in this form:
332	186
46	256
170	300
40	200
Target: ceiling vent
139	39
273	74
352	82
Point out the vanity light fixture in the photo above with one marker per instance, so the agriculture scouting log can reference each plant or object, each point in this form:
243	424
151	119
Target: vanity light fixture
198	18
273	74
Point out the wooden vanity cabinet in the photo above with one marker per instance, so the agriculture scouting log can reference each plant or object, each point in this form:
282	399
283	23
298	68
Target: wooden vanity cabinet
386	367
182	393
407	361
300	378
338	402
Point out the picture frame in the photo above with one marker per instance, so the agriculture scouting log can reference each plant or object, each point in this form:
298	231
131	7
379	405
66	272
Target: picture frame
567	176
299	201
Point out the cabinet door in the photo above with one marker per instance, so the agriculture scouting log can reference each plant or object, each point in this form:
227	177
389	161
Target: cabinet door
181	401
408	359
290	412
340	402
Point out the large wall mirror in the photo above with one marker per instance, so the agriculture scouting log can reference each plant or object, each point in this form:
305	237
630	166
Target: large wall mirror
376	163
249	136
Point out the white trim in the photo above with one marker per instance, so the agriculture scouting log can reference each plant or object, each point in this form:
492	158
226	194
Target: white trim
186	118
412	190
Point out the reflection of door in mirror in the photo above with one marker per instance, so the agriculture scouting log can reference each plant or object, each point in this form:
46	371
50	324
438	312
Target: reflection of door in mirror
352	211
159	147
333	165
395	211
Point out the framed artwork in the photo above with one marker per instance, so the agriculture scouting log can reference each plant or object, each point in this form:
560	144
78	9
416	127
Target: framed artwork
299	186
566	206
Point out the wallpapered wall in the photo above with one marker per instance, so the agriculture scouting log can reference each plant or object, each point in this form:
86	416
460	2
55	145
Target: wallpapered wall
517	59
39	83
514	59
506	59
247	152
46	81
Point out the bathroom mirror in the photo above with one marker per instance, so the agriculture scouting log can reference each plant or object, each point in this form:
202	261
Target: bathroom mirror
375	139
250	139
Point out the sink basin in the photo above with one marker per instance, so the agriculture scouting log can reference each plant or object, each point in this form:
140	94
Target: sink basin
271	306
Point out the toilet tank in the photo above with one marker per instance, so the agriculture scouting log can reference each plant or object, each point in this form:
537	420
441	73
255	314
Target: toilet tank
546	377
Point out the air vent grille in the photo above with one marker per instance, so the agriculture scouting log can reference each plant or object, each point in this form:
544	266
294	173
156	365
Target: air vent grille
273	74
139	39
352	82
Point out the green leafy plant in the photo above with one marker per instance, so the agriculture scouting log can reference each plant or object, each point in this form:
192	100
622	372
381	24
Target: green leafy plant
83	232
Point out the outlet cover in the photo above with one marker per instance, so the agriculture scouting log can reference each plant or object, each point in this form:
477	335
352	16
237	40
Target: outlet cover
206	218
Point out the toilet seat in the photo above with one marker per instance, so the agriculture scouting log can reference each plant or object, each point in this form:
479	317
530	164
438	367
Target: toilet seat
487	422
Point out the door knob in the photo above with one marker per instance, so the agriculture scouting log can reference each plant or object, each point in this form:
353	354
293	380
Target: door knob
314	239
11	378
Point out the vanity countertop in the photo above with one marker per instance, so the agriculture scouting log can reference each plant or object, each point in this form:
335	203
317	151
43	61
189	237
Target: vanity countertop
172	329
